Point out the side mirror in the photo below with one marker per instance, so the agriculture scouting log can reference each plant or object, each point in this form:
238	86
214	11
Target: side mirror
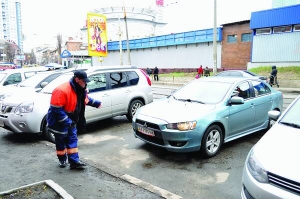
43	84
274	115
236	100
5	83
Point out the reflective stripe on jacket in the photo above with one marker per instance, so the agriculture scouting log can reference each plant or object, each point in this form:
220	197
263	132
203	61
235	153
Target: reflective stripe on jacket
63	103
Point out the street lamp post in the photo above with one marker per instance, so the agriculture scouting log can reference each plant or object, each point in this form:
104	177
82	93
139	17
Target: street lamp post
127	40
215	39
120	43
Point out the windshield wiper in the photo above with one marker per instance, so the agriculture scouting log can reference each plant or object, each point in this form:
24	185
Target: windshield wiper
189	100
291	124
174	97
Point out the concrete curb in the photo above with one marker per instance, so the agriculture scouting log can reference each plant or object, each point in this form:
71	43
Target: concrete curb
54	186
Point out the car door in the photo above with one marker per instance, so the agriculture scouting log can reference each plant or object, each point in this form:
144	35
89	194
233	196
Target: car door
241	116
263	102
120	92
98	90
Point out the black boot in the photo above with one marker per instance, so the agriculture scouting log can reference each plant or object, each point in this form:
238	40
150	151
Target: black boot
78	165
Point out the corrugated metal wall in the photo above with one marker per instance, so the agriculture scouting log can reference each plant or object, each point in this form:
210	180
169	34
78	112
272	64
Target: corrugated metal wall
181	56
283	47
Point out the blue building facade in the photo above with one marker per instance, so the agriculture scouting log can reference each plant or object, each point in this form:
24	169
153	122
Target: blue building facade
191	37
276	36
186	50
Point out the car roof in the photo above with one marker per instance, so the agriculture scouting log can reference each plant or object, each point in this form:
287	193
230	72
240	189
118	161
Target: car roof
226	79
41	68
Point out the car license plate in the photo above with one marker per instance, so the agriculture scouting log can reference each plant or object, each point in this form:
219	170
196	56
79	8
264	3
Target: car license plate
146	131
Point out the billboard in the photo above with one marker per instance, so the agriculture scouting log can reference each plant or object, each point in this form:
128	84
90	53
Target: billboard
97	35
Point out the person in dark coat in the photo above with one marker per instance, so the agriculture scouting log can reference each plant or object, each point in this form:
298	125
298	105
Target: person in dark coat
149	71
66	116
273	77
155	72
206	72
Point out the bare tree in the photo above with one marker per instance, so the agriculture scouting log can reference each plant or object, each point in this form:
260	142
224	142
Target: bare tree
10	51
59	47
32	59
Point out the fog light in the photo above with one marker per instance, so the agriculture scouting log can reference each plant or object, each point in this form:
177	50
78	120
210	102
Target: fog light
22	124
177	144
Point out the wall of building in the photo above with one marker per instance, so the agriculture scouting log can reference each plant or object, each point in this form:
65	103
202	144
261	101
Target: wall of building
168	58
283	47
235	55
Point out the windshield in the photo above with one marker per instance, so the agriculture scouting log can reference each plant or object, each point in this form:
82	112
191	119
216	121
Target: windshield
292	115
2	76
206	92
34	80
56	82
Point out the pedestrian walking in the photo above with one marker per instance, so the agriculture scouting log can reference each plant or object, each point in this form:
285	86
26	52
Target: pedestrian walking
155	72
206	72
200	71
66	117
273	77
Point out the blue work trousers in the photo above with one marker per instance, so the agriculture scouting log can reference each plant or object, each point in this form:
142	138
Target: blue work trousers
66	146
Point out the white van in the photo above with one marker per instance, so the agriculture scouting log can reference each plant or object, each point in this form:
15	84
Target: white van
15	76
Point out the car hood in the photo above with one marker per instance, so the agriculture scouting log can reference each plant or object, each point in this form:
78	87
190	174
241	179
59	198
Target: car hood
27	95
171	110
278	151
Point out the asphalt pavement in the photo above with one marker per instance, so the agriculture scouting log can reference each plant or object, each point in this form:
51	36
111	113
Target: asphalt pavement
27	159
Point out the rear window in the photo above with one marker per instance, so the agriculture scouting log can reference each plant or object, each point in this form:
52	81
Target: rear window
118	80
133	77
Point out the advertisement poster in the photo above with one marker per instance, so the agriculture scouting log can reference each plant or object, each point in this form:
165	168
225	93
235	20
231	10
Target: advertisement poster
97	35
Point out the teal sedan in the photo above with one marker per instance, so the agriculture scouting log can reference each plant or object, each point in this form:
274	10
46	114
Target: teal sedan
207	112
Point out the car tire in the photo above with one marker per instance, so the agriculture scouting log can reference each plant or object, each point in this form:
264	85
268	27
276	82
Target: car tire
212	141
47	135
133	107
271	123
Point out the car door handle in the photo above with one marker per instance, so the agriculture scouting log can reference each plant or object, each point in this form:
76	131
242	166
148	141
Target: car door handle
105	95
128	91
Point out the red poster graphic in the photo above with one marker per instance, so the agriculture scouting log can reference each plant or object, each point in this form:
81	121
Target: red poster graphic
97	35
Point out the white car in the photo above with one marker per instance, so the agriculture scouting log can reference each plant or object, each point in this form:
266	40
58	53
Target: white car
121	90
272	167
15	76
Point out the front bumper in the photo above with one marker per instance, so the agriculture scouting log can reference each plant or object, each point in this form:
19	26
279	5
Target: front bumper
253	189
171	140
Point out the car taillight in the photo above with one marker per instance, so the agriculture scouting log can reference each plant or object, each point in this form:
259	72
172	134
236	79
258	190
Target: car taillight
147	77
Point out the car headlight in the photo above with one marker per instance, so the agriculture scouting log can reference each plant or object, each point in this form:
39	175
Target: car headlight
256	169
182	126
25	107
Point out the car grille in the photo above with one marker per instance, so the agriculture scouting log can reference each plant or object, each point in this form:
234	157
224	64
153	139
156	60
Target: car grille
149	125
157	139
284	183
6	109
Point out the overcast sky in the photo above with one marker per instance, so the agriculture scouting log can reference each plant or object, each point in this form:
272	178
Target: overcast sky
43	19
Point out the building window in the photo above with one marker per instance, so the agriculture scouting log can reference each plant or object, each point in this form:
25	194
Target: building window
231	38
246	37
281	29
263	31
297	27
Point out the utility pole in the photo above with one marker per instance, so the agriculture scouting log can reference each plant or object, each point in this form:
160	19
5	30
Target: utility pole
215	39
120	44
127	40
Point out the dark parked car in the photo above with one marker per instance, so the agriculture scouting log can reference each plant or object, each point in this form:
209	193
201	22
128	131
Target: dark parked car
241	73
